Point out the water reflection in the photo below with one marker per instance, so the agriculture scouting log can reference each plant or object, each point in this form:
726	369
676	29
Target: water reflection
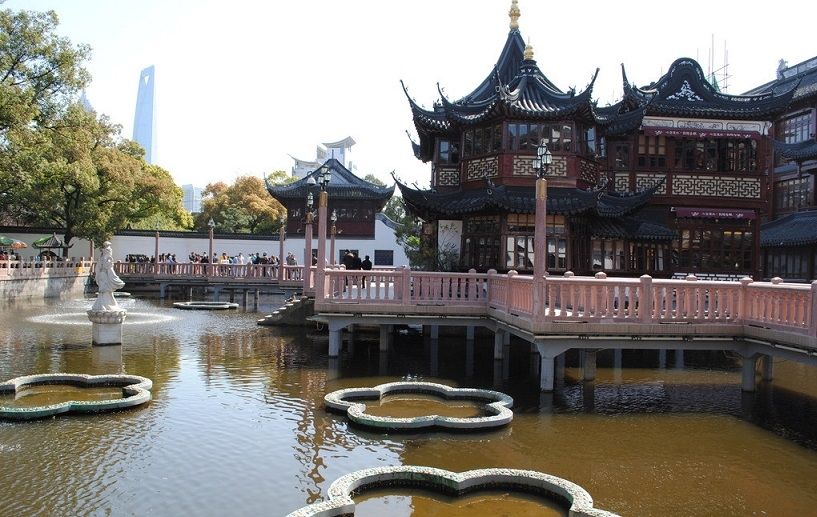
237	424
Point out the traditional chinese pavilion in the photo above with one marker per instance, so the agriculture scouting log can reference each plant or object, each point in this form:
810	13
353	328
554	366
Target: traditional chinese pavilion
668	181
354	200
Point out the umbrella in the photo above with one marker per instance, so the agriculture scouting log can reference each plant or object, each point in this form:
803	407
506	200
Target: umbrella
49	242
8	242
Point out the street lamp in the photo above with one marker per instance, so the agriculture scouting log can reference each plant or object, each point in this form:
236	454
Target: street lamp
307	267
211	224
156	253
324	176
334	219
282	234
543	159
541	164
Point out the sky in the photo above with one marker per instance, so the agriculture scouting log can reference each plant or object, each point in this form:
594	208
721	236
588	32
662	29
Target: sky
242	85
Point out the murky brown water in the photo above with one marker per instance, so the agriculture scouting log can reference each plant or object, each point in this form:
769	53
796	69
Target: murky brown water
237	425
45	395
379	503
414	405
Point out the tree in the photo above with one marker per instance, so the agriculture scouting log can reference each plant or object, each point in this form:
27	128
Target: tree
88	180
243	207
371	178
40	73
281	178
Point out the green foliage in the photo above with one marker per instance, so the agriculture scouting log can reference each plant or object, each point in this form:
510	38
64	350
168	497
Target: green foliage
60	165
86	179
371	178
243	207
422	253
281	178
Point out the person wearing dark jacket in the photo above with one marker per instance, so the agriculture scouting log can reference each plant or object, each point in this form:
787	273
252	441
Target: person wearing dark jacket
366	265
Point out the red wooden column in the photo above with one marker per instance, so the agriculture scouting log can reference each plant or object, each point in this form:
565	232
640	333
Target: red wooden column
307	267
320	288
540	247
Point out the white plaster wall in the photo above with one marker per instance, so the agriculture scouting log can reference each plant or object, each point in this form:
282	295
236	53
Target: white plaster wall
128	244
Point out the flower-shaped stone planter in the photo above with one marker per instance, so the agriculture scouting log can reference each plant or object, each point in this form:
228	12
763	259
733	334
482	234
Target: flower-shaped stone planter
576	501
496	406
136	391
205	306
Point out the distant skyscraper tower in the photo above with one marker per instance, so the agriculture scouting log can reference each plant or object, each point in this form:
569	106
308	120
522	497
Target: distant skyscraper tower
144	122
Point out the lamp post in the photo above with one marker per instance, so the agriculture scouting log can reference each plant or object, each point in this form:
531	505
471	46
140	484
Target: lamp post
211	225
334	231
307	267
282	235
541	164
324	176
156	251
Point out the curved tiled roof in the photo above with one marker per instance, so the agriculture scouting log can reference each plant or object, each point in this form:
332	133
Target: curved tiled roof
343	185
561	200
684	91
798	229
798	152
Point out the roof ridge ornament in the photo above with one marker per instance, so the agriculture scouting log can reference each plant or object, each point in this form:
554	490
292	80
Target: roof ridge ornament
514	15
685	93
528	52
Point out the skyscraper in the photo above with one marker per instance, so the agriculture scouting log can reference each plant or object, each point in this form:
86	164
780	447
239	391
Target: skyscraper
144	122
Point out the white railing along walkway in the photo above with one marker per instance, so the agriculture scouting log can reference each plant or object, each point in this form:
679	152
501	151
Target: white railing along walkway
21	269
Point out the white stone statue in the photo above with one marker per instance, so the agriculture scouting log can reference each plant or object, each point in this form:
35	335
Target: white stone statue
107	281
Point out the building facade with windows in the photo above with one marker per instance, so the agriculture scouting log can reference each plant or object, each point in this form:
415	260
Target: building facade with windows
789	238
670	180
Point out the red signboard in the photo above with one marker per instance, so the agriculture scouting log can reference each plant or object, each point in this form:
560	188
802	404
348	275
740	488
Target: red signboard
715	213
699	133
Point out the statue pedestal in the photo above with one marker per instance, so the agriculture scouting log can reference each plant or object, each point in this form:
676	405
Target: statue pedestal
107	326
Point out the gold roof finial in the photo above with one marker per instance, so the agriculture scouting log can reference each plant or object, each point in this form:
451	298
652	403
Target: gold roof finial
514	15
528	51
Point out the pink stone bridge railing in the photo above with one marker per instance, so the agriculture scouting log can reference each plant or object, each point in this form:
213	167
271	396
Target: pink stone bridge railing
791	308
24	269
191	270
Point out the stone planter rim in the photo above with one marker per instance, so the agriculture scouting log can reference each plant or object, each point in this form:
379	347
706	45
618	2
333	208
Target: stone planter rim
135	388
497	404
340	493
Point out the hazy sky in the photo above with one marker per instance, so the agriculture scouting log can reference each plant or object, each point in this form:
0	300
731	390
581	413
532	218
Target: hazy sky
242	84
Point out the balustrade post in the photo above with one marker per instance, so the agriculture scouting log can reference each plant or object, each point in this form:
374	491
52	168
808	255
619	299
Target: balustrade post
813	317
645	301
490	284
472	285
509	291
405	285
743	299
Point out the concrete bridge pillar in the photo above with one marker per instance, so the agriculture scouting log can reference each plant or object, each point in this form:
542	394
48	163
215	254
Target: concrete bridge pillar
469	333
499	340
434	353
547	365
560	367
748	378
662	359
334	342
162	289
245	296
255	298
679	359
189	294
506	340
232	295
383	364
469	358
617	365
216	293
385	333
768	368
588	359
434	332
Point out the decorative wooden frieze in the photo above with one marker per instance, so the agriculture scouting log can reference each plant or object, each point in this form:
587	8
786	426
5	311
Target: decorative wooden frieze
589	171
448	177
481	168
523	166
715	186
741	128
645	180
622	182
